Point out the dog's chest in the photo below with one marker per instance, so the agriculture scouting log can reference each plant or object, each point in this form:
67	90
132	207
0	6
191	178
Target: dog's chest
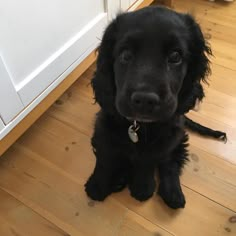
153	143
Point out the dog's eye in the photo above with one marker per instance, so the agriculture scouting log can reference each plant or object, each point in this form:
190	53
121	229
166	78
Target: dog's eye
126	56
175	58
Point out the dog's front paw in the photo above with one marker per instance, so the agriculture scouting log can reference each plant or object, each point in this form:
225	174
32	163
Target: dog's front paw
172	195
96	190
142	191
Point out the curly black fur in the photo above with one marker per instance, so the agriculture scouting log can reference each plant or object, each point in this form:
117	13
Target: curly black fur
161	57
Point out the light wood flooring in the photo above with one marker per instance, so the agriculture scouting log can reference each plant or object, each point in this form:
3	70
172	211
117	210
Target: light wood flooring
43	173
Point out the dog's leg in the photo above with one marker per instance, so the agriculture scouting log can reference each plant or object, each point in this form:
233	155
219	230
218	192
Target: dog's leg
98	186
142	183
110	175
169	172
112	165
111	171
169	187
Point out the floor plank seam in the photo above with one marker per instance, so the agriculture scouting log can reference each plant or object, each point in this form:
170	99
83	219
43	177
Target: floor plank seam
208	198
142	216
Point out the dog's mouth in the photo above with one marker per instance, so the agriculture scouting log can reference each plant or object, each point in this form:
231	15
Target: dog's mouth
157	114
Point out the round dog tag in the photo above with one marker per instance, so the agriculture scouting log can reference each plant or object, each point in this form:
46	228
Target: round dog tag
132	131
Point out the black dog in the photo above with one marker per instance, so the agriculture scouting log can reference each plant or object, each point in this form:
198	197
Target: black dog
149	71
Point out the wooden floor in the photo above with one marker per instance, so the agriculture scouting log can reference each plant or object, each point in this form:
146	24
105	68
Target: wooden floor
43	173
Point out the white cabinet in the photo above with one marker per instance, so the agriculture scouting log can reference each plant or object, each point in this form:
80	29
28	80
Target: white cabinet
113	8
116	6
2	126
10	103
40	39
41	42
131	2
125	4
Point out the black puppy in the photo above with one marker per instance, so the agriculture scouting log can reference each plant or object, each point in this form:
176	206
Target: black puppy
149	71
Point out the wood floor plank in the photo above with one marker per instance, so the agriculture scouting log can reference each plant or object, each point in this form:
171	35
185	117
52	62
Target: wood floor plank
214	187
8	230
219	106
200	216
211	177
18	220
64	197
223	150
209	10
225	53
214	30
134	225
223	79
60	197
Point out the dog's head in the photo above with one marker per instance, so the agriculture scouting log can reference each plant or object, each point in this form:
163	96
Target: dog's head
151	64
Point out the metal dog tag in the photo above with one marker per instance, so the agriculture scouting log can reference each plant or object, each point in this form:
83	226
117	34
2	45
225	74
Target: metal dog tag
132	131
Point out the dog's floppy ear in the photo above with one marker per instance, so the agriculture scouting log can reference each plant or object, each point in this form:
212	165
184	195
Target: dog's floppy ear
198	67
103	83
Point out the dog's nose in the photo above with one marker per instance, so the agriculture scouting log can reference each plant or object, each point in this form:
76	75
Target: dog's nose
144	102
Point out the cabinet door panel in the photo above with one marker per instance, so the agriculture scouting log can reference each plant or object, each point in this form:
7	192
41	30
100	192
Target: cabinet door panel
36	34
86	39
113	8
124	4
